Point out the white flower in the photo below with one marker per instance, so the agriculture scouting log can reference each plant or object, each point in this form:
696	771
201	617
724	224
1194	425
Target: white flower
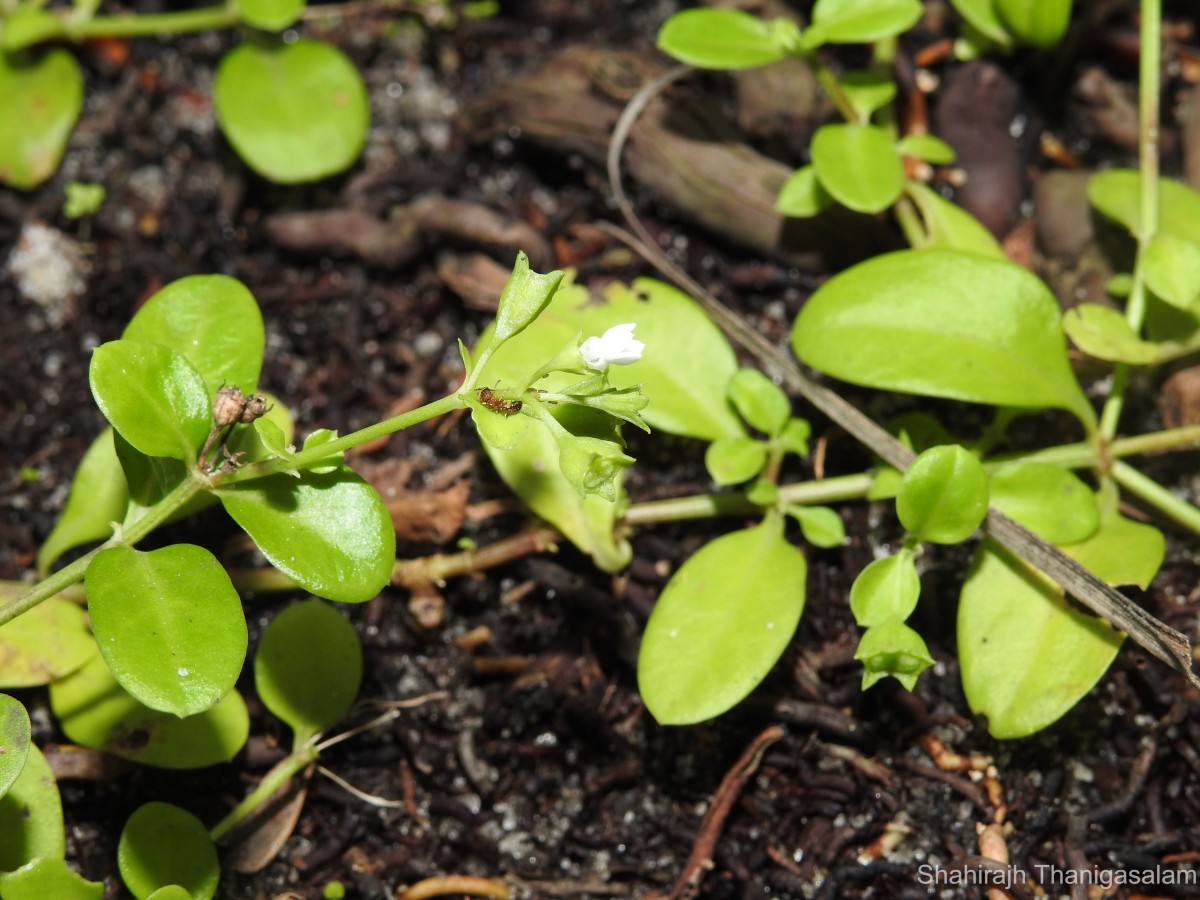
614	346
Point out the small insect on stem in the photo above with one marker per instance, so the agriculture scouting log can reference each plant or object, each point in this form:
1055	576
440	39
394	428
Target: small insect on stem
499	404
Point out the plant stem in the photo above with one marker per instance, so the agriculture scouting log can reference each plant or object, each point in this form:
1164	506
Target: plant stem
1149	64
68	575
1156	495
312	455
300	759
152	24
704	506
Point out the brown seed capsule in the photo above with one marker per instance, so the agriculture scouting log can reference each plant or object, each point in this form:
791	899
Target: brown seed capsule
254	408
229	406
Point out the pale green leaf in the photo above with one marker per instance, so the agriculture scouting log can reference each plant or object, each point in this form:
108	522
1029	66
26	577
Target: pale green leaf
1104	333
1171	266
950	227
1047	500
294	112
720	39
31	819
860	21
161	845
886	590
96	712
1027	656
802	195
733	460
721	624
858	165
925	322
169	624
892	648
47	642
46	878
40	99
14	740
943	495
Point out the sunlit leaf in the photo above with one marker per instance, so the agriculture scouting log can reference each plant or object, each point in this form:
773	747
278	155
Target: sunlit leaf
744	590
47	642
45	878
330	533
1027	656
858	165
14	740
1046	499
169	624
943	495
886	590
925	322
1104	333
950	227
860	21
733	460
759	401
720	39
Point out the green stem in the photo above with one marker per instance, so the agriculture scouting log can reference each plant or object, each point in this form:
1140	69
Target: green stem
1149	99
1153	493
832	87
70	574
151	24
910	222
273	781
313	455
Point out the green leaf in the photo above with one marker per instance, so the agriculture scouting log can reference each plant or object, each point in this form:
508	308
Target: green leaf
1172	269
733	460
794	438
720	624
759	400
943	496
82	198
1048	500
213	321
40	99
498	429
268	437
27	25
720	39
867	91
171	892
1117	194
886	590
802	195
1027	656
859	21
14	740
153	396
928	148
1102	332
926	322
98	499
950	227
47	877
270	15
162	844
1041	23
983	16
892	648
31	818
526	294
294	112
331	534
308	667
97	712
820	525
48	642
1122	551
169	624
858	165
592	465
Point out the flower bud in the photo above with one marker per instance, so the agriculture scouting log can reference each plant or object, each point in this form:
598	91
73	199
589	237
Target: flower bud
615	347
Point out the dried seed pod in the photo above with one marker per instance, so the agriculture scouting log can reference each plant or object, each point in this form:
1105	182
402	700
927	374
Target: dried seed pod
254	408
229	406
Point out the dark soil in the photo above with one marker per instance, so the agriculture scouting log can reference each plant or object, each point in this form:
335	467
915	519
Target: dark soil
537	764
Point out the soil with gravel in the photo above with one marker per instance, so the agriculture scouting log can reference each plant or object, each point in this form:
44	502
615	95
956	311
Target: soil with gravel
535	763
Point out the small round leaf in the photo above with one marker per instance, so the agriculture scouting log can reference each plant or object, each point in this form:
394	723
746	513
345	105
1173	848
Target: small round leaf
860	21
732	460
802	195
719	39
169	624
1104	333
886	590
14	740
308	667
927	147
164	845
858	165
943	496
949	226
759	400
821	526
40	100
1041	23
270	15
48	642
1172	269
153	396
294	112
